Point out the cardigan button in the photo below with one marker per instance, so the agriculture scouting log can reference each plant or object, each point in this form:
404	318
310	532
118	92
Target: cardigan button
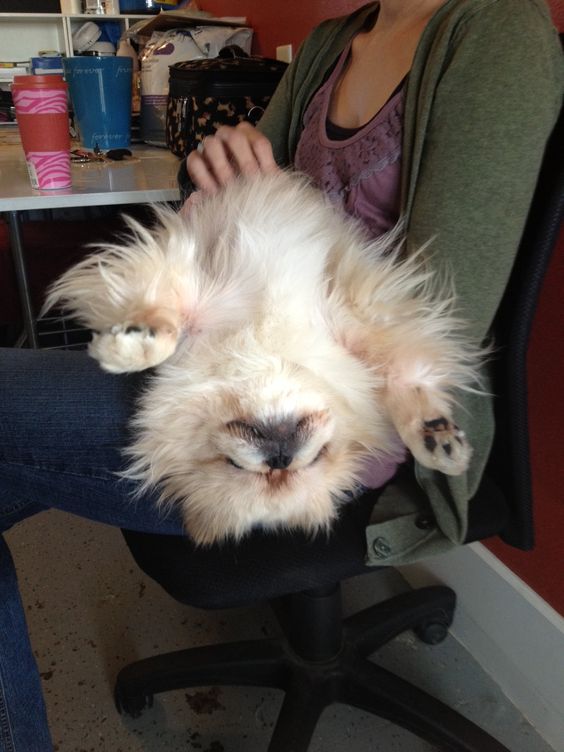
425	522
381	548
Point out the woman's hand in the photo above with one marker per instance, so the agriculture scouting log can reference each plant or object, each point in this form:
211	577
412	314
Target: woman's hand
231	151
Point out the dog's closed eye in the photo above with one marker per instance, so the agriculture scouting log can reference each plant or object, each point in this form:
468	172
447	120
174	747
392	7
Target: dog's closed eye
247	431
263	432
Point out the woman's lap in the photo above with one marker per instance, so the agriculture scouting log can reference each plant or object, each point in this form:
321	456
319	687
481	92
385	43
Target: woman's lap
63	423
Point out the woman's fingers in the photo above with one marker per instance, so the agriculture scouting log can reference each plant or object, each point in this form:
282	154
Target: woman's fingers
194	198
229	152
200	172
262	150
250	150
217	155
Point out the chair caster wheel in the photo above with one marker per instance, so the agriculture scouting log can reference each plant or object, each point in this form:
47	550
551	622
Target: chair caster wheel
131	705
433	631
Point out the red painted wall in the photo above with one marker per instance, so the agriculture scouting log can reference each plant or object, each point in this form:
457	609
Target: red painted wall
289	22
557	10
276	23
542	568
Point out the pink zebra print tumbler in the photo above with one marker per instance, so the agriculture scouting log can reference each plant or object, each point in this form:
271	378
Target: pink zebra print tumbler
43	122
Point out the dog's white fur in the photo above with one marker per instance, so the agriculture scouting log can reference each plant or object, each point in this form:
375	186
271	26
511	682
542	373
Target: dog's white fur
289	348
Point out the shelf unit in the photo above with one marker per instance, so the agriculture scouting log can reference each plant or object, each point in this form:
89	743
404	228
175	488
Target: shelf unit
22	35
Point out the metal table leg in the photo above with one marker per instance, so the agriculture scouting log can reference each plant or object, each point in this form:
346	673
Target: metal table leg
16	246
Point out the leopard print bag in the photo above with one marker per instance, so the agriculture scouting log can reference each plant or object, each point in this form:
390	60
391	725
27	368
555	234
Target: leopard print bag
225	90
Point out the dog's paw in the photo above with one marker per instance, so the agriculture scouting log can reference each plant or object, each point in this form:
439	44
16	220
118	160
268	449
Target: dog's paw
441	445
132	347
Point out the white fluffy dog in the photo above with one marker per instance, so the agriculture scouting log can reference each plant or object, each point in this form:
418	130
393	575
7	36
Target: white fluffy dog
289	349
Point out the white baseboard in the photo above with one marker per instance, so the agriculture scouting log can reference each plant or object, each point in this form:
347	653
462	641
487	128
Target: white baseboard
514	634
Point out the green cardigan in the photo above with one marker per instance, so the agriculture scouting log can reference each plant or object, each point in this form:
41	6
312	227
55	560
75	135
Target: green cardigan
482	96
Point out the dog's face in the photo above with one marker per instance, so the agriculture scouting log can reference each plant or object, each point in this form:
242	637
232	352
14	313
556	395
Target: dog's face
257	425
287	441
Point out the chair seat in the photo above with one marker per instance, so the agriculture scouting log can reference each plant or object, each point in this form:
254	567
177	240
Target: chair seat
268	565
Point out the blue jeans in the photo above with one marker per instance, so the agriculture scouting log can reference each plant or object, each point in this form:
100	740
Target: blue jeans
62	423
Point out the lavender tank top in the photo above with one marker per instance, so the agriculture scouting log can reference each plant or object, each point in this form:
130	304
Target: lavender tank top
361	174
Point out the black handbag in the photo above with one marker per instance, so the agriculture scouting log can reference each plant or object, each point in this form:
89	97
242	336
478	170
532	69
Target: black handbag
224	90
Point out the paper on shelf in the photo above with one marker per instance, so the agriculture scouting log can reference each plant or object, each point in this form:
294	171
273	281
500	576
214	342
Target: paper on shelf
173	19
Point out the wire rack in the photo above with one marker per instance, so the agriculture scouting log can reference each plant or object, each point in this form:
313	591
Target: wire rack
57	332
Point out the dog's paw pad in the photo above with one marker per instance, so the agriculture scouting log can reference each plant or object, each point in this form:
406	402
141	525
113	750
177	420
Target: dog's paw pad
132	347
444	446
135	329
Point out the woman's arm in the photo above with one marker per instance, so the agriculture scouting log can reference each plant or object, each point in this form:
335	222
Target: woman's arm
492	112
490	115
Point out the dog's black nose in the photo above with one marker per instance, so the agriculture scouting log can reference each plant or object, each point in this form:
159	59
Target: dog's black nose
278	441
279	461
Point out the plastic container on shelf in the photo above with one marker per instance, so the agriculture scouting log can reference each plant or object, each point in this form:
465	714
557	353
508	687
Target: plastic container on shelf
93	7
138	6
148	6
100	49
47	65
71	7
125	49
84	37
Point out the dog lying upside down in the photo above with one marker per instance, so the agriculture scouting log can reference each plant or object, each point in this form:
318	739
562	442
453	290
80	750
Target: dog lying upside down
288	347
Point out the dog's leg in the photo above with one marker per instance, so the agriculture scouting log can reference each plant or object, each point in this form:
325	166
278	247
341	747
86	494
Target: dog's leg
416	379
145	339
132	307
419	373
422	416
400	322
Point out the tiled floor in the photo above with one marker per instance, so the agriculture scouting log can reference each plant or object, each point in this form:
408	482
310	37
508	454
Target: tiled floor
91	611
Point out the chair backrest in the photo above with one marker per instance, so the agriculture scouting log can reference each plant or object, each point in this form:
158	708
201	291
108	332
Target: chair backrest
509	463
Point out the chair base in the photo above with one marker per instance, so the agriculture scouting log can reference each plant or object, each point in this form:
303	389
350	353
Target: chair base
321	660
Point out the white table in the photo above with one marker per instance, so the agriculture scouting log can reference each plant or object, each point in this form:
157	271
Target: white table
149	179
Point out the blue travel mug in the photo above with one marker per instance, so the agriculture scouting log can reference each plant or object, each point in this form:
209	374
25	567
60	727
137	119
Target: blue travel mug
100	92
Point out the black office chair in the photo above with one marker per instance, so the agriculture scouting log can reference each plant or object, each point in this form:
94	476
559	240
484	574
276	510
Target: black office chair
321	658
